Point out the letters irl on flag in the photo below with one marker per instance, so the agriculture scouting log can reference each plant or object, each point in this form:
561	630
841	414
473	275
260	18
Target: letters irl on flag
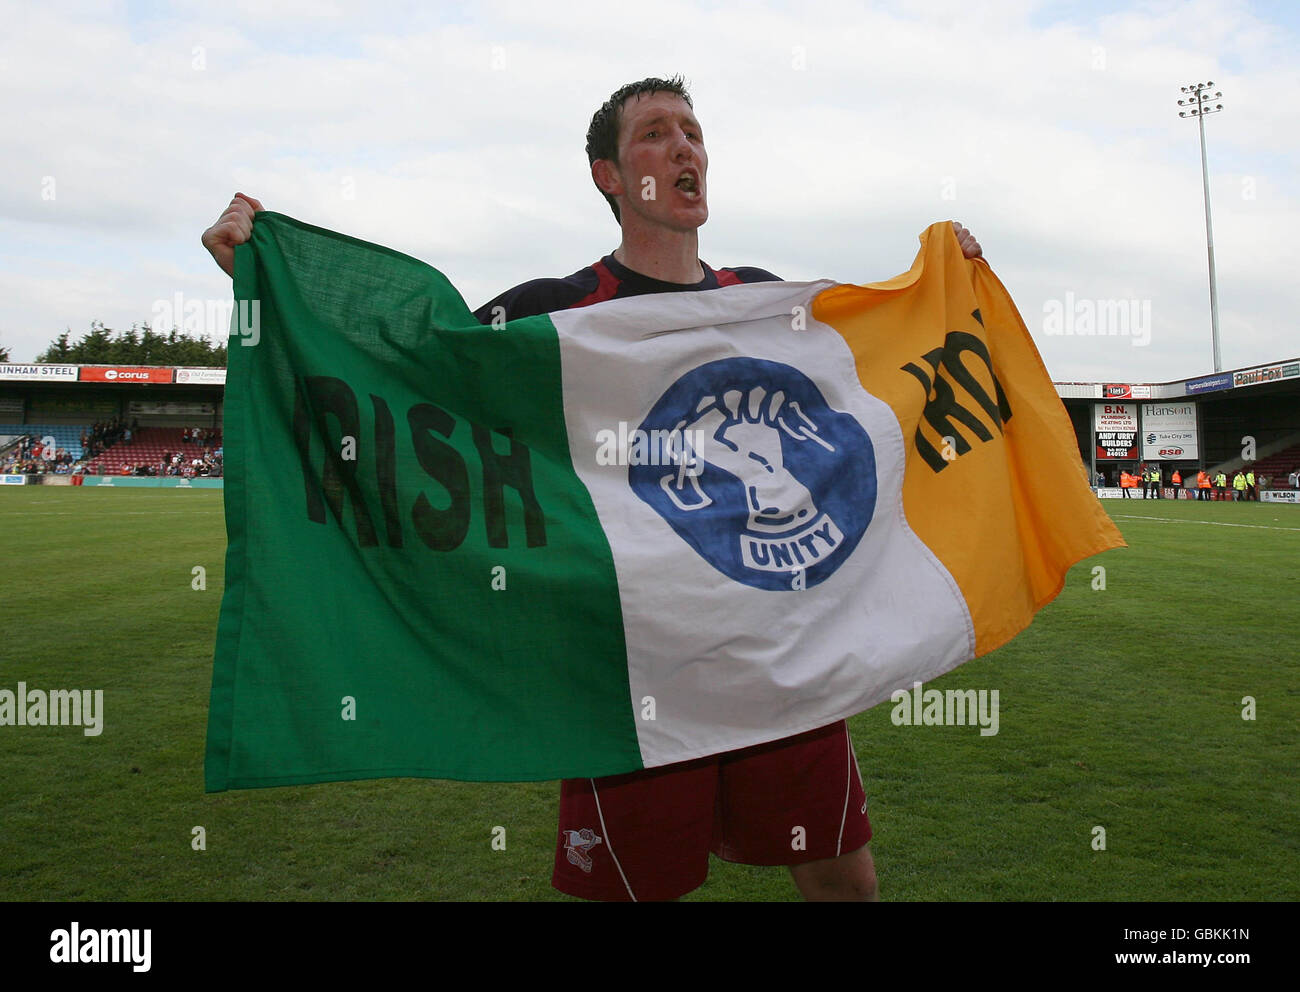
435	567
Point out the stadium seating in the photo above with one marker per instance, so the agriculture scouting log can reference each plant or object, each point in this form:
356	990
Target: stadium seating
146	447
66	436
1277	467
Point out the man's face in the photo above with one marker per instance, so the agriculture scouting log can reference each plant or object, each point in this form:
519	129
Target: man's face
661	140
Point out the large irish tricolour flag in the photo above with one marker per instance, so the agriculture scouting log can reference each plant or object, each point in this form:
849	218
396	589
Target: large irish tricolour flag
619	536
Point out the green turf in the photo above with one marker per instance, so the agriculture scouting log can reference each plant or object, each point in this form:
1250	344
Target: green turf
1119	708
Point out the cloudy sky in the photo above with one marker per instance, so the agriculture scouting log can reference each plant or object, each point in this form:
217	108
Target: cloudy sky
836	133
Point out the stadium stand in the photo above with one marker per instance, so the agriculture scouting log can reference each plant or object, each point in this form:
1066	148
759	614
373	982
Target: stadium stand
66	436
147	447
1278	466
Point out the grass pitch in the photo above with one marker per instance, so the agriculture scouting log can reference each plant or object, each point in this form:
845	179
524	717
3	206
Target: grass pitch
1120	708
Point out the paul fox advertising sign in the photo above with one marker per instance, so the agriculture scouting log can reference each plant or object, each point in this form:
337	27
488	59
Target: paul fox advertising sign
1169	431
1116	425
1266	373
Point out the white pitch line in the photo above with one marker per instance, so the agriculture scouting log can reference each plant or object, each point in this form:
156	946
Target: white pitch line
40	502
123	513
1211	523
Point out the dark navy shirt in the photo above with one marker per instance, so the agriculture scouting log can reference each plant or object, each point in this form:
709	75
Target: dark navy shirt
608	279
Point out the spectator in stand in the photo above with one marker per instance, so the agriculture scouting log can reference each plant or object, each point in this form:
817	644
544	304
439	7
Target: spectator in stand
1263	485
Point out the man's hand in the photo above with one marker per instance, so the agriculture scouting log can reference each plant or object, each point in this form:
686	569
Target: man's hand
969	246
234	227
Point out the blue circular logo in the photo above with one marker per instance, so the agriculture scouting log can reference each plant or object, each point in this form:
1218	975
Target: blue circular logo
750	466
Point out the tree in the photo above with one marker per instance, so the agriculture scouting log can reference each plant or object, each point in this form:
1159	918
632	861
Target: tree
141	345
126	349
59	351
152	348
95	346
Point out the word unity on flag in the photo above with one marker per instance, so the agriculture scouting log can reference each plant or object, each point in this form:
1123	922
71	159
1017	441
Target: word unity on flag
620	536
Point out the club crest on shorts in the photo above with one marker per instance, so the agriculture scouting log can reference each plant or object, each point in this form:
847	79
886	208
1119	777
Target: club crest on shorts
576	845
764	480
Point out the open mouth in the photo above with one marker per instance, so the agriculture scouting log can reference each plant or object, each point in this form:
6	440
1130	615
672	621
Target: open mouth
688	184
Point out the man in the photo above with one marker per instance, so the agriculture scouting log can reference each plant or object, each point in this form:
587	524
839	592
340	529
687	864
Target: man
1177	480
1239	486
647	835
647	156
1202	485
1252	492
1220	487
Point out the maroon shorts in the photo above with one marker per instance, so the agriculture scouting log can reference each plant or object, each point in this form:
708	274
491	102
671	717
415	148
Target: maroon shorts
647	835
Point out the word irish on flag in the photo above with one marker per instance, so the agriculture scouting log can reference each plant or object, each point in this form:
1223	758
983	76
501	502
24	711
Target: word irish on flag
446	558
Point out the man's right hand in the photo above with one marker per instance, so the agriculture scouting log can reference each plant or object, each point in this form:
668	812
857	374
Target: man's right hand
234	227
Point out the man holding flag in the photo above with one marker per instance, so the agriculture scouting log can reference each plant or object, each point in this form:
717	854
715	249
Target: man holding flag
648	159
647	834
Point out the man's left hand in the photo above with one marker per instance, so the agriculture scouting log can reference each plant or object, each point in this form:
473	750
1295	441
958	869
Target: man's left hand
969	246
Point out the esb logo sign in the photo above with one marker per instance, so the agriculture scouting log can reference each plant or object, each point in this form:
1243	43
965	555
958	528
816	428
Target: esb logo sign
1170	452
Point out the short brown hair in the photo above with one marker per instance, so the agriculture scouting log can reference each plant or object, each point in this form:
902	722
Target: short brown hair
602	135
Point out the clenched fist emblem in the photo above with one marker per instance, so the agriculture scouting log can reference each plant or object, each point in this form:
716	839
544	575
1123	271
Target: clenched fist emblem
771	484
740	433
